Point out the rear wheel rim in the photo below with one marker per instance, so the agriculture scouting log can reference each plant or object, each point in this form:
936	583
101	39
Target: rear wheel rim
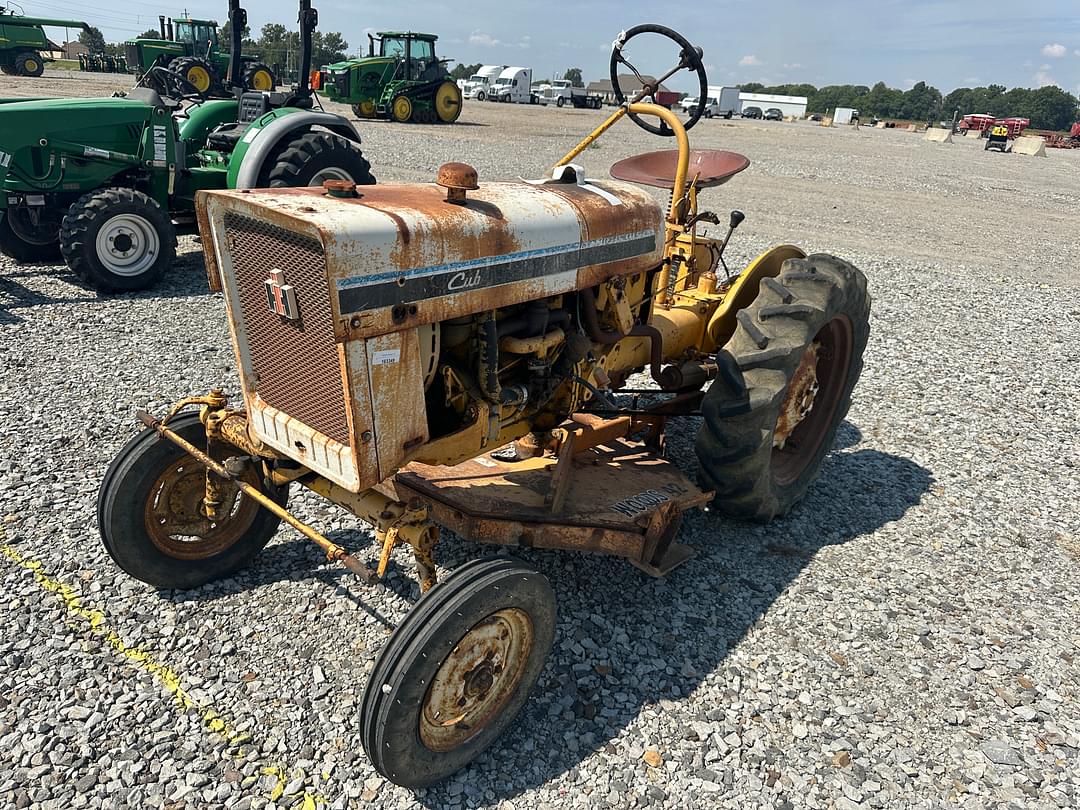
128	245
44	233
402	109
810	418
31	65
477	679
199	77
261	80
330	173
174	519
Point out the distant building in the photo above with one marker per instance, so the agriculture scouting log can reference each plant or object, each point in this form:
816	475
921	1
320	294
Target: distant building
629	84
794	106
72	50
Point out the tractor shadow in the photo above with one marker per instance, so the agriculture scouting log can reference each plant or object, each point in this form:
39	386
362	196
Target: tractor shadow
31	286
625	641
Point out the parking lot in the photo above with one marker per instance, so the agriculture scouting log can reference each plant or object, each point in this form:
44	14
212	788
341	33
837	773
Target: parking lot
908	637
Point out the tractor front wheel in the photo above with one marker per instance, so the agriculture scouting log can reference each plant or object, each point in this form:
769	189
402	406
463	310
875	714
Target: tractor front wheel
457	670
401	110
29	63
785	383
259	77
314	157
117	240
28	242
151	519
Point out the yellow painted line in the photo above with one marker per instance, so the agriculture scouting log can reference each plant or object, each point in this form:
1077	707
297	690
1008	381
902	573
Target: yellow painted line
212	719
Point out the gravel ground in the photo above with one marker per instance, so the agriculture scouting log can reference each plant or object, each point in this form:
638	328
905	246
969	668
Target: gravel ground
906	638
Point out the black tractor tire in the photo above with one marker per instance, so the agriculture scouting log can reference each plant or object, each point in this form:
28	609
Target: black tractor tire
257	74
312	157
29	63
814	314
7	70
137	241
132	499
16	245
197	71
404	739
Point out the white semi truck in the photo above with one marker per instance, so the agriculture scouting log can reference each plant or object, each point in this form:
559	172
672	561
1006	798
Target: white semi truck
514	86
477	86
562	91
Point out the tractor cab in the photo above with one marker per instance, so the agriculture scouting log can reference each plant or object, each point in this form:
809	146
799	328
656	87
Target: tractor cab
415	54
202	35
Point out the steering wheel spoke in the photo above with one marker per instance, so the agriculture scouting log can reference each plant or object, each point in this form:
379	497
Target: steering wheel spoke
690	58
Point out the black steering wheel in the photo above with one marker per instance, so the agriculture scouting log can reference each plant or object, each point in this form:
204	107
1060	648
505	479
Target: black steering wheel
689	59
170	84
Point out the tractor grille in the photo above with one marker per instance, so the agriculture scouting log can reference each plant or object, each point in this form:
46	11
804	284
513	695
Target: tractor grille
295	362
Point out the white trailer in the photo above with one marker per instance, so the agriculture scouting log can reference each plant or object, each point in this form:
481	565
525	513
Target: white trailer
476	86
845	115
514	86
723	102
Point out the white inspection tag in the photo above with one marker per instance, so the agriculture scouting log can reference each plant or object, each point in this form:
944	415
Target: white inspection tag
386	357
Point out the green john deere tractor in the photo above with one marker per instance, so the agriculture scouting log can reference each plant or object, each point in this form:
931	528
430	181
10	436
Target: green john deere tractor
404	82
190	47
106	182
22	39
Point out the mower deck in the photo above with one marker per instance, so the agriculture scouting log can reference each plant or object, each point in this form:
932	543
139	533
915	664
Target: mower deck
616	498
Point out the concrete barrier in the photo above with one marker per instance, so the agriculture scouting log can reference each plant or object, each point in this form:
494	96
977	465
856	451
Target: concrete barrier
1027	145
972	133
938	135
911	128
826	121
879	125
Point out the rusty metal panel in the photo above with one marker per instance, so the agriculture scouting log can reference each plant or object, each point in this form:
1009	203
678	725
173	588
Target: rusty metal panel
362	415
616	487
397	397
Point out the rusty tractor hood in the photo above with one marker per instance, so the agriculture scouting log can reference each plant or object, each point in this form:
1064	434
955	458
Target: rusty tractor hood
399	256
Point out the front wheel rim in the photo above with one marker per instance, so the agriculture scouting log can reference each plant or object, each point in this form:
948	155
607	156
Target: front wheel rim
128	245
811	400
477	680
200	78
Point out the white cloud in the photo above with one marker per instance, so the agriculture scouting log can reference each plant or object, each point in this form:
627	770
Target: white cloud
484	39
1044	79
525	42
793	66
909	83
749	61
1054	50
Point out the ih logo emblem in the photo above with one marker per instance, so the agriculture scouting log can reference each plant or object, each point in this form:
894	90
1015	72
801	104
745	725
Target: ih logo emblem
281	296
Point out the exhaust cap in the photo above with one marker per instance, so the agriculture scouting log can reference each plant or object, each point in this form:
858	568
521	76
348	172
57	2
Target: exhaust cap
457	178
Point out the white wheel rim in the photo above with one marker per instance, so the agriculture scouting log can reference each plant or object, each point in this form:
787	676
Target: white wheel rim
331	173
127	245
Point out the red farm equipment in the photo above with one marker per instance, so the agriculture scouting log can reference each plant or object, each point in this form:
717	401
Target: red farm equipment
1058	141
982	123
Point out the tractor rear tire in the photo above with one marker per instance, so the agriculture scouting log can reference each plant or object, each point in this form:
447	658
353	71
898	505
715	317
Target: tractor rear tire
118	240
26	247
259	77
29	63
313	157
148	514
786	377
197	71
7	70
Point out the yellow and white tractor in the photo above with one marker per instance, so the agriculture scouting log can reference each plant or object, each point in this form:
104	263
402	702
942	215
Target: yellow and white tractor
456	355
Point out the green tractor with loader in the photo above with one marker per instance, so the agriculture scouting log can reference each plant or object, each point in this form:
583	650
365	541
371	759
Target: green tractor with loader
107	182
23	39
405	81
190	47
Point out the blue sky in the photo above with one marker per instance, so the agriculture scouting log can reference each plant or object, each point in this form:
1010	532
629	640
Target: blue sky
947	44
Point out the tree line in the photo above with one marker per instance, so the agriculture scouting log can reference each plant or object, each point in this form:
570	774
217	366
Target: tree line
1047	107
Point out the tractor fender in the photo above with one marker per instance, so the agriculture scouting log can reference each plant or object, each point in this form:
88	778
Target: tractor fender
263	135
